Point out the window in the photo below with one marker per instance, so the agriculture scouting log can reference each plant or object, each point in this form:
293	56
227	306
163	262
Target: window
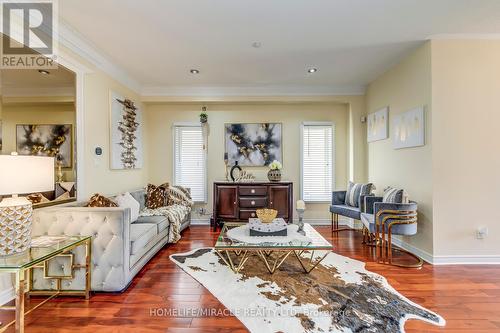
190	160
317	169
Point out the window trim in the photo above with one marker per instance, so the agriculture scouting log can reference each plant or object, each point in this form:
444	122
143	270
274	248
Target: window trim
316	123
205	155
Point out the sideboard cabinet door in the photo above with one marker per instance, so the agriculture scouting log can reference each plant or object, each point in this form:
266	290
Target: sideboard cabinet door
280	199
227	202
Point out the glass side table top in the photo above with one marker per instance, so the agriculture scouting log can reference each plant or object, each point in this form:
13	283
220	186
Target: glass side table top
42	247
317	242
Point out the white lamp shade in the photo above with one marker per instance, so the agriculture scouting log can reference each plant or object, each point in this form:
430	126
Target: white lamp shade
26	174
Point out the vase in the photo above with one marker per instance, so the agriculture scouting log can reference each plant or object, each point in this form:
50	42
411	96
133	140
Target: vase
274	175
235	167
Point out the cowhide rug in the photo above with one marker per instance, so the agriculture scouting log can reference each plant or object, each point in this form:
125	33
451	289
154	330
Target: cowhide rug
338	296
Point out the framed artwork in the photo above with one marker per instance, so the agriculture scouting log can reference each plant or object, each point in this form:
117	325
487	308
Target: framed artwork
46	140
253	144
409	129
378	123
126	134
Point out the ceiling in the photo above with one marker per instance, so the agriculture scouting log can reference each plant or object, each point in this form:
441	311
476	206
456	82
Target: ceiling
30	82
350	42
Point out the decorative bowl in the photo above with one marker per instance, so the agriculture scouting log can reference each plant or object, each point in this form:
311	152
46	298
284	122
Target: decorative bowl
266	215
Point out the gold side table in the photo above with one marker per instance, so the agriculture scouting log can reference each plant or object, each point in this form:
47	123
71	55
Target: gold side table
43	249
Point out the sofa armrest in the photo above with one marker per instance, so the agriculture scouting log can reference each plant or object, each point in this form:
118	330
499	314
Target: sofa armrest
369	204
361	202
338	197
110	231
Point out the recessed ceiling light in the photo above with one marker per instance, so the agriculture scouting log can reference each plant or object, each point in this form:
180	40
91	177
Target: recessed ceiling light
256	44
194	71
312	70
43	71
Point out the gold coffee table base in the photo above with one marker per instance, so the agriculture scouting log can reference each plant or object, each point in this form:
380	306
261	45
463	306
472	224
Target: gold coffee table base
271	262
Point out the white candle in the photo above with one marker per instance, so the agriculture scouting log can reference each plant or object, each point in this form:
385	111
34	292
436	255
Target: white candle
301	204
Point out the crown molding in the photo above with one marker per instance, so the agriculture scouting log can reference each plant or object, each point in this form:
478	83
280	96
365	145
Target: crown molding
275	90
74	41
464	36
237	94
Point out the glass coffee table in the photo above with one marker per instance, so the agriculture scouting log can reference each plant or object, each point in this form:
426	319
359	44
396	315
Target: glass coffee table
235	253
42	250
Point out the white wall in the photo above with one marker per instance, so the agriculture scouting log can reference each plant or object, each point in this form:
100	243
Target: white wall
466	148
161	117
405	86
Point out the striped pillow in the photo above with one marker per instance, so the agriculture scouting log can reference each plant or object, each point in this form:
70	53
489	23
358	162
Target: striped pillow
354	191
395	195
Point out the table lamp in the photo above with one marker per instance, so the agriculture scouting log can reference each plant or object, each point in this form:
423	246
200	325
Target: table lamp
301	208
20	175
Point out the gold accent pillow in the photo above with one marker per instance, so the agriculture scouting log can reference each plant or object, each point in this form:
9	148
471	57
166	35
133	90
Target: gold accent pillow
98	200
156	196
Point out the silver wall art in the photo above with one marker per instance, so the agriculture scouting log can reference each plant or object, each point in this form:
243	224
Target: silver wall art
126	134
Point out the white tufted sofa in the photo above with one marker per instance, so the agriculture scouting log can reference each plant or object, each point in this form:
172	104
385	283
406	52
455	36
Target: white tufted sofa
120	247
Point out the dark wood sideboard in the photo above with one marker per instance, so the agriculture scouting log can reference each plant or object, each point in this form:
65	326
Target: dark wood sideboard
239	201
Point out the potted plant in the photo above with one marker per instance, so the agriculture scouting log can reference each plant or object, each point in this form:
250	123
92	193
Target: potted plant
203	117
274	173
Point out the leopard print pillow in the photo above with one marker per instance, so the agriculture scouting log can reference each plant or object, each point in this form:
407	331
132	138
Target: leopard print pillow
98	200
156	196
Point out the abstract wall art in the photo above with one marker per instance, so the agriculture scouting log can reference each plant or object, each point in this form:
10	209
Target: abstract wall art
126	134
253	144
46	140
377	128
409	129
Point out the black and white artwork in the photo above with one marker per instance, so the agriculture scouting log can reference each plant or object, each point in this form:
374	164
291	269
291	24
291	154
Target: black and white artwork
253	144
46	140
126	134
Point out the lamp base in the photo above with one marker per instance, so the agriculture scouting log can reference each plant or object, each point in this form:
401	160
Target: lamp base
15	225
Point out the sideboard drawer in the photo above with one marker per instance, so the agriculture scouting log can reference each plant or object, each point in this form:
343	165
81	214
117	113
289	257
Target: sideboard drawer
257	202
253	190
245	214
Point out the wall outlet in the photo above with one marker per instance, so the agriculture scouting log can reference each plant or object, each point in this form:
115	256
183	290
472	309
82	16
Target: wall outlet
481	232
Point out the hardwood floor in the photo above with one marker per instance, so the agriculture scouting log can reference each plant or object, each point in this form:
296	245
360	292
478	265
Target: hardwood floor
468	297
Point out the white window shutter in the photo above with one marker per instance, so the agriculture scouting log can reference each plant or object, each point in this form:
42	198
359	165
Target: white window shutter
190	169
317	158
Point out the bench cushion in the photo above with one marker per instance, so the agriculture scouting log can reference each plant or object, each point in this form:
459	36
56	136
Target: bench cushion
348	211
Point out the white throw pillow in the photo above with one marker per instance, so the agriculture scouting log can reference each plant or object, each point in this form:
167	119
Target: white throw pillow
126	200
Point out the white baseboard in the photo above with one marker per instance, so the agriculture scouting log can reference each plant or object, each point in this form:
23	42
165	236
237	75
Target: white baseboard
467	260
7	295
200	221
426	256
448	259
